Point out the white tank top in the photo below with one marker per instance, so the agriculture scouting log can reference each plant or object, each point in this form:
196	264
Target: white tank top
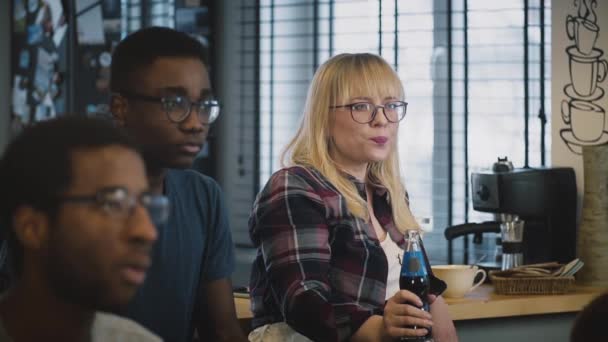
393	254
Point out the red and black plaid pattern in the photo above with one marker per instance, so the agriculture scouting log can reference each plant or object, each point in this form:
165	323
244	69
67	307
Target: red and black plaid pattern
318	268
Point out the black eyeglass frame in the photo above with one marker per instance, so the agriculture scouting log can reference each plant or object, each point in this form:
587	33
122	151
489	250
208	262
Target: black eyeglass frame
163	100
374	112
149	201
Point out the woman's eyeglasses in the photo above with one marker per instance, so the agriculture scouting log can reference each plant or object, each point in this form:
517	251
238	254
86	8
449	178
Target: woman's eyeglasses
365	112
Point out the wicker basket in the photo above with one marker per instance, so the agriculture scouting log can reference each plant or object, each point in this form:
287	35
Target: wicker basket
532	285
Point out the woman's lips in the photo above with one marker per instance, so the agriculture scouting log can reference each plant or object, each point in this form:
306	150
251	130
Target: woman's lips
379	140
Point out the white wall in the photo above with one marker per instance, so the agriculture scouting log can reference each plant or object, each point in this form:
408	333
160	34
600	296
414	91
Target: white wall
575	88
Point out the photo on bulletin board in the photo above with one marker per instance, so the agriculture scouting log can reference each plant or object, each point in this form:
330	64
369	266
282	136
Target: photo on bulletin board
32	5
19	16
90	27
21	109
34	34
24	59
54	11
43	73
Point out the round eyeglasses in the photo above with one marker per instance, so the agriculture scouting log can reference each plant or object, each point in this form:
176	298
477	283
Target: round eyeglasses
365	112
178	108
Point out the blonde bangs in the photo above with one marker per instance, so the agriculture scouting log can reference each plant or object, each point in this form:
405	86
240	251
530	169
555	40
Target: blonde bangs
373	78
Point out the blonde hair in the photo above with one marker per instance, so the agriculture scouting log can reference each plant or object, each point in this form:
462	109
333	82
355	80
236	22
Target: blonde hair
336	81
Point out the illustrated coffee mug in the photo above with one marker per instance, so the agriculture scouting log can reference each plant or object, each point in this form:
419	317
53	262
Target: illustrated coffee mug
586	71
586	119
583	32
459	278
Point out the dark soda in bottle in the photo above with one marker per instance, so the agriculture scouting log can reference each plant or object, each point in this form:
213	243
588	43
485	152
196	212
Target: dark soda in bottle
414	276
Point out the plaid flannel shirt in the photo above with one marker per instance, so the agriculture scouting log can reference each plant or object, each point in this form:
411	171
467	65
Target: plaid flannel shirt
318	268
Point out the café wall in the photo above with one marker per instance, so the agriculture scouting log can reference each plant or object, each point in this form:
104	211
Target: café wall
579	100
5	44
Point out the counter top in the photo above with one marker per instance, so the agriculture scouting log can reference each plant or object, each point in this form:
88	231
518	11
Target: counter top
484	303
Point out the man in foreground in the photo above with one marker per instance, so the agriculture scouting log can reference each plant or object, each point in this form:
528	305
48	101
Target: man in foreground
76	204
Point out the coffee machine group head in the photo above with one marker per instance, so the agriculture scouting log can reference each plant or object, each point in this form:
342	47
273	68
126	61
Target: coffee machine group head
545	198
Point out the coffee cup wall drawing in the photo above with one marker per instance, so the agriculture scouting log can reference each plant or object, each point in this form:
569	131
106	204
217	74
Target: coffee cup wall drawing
459	278
584	33
586	71
583	110
586	119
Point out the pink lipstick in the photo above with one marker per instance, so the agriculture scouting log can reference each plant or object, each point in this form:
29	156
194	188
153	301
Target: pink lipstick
379	140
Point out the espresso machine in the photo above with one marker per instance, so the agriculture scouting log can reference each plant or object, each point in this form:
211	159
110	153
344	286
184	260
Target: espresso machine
544	198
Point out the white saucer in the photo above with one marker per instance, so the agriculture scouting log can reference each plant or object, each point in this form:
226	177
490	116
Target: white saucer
570	92
575	145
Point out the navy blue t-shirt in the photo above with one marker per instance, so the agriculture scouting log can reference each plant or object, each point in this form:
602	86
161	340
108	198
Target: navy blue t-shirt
166	301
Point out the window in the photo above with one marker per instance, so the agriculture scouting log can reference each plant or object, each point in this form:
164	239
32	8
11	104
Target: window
475	74
156	13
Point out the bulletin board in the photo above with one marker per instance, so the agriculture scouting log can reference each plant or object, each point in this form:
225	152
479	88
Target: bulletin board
98	32
61	55
39	61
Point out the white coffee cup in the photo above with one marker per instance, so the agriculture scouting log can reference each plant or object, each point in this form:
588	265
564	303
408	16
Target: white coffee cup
459	278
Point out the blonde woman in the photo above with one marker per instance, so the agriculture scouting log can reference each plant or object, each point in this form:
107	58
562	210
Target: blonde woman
329	226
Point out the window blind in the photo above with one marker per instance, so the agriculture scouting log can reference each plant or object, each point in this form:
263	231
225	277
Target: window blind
144	13
474	72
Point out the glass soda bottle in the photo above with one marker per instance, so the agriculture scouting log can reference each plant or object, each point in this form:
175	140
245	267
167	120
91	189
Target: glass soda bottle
414	277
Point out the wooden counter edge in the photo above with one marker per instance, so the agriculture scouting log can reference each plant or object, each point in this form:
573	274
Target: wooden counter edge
241	304
483	303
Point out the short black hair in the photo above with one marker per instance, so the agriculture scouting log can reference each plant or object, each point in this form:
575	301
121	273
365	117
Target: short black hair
36	167
591	322
143	47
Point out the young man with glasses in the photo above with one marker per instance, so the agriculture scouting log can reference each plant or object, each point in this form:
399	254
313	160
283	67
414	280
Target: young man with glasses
162	96
76	210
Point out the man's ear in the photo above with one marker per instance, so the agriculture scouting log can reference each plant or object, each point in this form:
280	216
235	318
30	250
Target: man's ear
31	227
118	108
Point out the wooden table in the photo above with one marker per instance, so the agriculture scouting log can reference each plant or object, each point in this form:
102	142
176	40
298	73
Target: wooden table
484	315
241	302
484	303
